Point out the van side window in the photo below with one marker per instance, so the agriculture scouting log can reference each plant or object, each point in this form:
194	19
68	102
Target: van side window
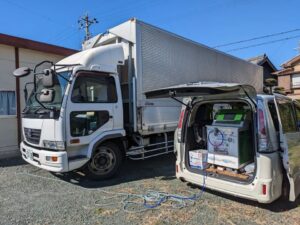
297	109
274	115
287	115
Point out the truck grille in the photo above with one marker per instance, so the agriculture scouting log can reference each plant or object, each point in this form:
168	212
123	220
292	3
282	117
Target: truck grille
32	135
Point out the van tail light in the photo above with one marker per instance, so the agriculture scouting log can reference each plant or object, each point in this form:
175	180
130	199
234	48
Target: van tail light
181	118
262	129
264	189
180	122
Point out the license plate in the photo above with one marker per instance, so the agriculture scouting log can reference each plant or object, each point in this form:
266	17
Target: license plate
29	154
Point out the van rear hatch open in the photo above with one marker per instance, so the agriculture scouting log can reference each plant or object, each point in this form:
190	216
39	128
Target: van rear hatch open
222	108
205	90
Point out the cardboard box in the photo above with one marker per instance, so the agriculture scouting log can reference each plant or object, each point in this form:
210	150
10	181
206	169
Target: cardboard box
223	160
198	159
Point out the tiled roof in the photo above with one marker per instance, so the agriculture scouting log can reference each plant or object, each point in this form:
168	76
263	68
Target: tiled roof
257	60
291	62
261	59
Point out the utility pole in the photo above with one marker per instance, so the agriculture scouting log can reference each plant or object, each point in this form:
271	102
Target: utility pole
84	23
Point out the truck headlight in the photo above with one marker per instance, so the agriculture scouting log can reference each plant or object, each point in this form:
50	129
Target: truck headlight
57	145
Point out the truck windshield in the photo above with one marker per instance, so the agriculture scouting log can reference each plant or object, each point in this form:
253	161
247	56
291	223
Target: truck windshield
59	88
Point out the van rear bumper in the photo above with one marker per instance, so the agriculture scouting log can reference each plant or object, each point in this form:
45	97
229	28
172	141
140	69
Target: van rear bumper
42	158
252	191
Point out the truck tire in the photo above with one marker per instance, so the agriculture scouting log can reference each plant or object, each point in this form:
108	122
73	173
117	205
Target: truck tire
105	161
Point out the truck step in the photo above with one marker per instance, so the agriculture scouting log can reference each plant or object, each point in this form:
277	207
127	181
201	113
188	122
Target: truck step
150	151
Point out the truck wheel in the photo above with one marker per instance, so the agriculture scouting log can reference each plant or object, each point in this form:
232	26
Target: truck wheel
105	162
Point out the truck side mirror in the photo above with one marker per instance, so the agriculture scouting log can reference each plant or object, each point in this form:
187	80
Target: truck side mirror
22	72
46	95
48	78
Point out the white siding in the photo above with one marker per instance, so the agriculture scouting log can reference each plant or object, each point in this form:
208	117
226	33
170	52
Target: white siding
8	124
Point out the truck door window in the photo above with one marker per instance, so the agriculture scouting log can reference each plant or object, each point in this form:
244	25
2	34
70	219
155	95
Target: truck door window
274	115
287	116
85	123
94	87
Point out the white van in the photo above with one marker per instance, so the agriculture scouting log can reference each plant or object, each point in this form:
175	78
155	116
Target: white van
235	141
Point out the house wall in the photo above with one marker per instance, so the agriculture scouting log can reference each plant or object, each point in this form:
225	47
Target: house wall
296	91
297	67
285	82
9	124
268	70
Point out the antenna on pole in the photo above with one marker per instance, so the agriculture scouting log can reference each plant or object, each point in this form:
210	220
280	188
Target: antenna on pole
84	23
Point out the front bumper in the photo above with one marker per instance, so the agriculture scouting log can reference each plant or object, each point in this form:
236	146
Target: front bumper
39	157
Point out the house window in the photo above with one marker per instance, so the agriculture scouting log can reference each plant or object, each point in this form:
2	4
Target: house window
296	81
7	103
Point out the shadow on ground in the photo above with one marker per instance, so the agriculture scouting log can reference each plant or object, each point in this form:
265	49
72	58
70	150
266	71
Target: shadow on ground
163	166
12	161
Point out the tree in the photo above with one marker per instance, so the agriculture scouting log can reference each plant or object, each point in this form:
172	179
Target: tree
270	83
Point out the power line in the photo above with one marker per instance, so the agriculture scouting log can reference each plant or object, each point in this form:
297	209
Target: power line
42	16
263	43
28	9
257	38
67	36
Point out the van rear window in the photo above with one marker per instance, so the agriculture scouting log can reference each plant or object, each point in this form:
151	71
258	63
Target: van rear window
274	115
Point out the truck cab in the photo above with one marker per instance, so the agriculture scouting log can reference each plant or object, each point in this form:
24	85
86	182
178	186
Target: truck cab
235	141
74	116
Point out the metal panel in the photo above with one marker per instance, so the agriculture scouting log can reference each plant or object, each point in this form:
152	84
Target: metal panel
170	60
165	59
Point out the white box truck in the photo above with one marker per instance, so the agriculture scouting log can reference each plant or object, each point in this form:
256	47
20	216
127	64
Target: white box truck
89	110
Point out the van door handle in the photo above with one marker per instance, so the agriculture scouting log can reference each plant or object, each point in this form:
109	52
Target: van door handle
110	117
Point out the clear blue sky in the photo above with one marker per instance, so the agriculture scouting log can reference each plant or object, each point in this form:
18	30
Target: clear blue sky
210	22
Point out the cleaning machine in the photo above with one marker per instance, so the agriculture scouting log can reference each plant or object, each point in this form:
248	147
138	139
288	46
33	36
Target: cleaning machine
229	139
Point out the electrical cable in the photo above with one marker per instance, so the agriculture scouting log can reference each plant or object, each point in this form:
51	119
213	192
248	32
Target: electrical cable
215	131
42	16
256	38
263	43
149	201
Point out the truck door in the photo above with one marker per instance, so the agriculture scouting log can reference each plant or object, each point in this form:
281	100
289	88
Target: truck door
290	143
90	107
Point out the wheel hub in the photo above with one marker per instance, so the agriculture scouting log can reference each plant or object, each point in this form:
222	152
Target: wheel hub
103	160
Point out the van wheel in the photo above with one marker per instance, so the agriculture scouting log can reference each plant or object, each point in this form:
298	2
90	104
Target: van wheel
105	162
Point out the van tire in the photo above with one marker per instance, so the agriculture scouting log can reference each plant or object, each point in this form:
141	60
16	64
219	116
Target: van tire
105	162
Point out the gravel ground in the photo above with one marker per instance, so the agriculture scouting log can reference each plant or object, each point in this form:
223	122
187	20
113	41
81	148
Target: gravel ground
32	196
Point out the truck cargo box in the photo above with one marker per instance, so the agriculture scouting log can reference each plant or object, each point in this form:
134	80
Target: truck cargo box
157	58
